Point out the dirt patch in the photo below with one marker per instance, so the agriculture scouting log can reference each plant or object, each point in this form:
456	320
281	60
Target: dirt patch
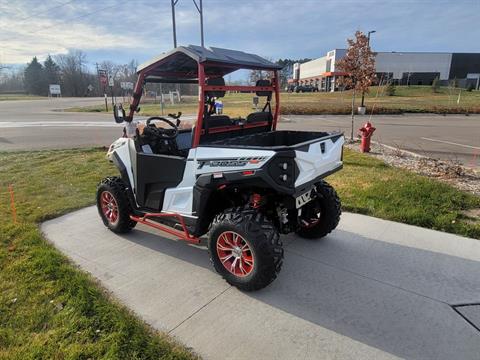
472	216
451	172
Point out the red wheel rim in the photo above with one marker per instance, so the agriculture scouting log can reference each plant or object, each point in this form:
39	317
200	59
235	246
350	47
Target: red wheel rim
109	206
235	253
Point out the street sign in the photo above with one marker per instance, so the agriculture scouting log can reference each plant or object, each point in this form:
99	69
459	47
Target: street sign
54	89
102	76
90	87
126	85
110	81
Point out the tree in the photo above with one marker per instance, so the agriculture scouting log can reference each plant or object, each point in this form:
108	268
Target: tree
436	85
74	77
51	71
359	64
12	82
287	70
390	89
454	82
2	67
34	79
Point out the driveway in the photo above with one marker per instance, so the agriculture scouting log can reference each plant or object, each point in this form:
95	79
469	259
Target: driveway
373	289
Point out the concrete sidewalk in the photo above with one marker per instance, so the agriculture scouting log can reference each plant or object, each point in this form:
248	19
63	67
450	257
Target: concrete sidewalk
373	289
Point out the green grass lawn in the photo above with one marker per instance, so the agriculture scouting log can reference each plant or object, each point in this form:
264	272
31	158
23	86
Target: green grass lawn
4	97
414	99
48	308
51	310
369	186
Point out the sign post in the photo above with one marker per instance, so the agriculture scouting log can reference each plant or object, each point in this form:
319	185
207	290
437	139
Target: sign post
111	84
103	78
127	87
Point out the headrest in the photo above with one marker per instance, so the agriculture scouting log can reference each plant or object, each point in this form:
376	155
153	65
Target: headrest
263	83
220	81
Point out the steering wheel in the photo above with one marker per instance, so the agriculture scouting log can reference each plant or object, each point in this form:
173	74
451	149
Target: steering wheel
168	134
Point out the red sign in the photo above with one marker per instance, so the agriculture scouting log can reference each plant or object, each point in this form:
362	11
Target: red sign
102	76
103	80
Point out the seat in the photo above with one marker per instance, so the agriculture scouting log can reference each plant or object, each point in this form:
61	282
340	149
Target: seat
210	120
219	81
214	121
259	117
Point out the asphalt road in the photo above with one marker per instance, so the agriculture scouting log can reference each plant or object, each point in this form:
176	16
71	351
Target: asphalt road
41	124
373	289
452	137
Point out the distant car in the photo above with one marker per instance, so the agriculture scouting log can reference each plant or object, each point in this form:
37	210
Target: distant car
305	88
290	88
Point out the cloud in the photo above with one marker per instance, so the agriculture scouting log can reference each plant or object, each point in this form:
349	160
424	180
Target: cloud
43	35
273	28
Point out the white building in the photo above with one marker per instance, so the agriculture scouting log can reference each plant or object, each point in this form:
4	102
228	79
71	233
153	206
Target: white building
414	68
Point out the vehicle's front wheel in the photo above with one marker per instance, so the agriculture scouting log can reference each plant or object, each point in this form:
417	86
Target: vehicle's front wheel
321	215
245	248
113	205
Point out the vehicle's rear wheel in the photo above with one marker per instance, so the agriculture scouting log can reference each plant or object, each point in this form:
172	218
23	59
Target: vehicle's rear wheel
322	214
245	248
113	205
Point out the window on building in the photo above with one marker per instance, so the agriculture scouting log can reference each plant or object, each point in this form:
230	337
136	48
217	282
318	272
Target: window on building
329	66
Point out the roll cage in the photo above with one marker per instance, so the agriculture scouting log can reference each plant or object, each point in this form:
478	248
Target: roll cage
196	65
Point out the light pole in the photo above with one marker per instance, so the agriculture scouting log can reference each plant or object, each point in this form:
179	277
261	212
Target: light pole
368	43
199	7
200	12
174	2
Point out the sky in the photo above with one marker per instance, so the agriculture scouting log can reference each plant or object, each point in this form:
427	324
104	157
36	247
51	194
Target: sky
121	30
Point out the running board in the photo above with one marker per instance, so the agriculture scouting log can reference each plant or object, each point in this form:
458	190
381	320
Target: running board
183	235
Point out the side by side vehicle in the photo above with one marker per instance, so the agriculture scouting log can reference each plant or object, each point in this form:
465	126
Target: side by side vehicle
237	179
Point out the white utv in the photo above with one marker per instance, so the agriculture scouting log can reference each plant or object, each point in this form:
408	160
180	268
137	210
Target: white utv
238	179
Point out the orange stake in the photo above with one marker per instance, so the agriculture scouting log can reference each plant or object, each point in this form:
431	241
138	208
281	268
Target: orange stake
12	204
474	159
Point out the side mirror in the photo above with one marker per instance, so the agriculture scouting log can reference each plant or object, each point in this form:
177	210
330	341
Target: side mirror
119	113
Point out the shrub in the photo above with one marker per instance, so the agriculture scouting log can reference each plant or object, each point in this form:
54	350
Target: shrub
470	87
390	89
454	83
436	85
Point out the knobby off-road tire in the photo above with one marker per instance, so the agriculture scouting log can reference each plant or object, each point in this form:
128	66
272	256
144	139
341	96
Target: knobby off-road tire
329	207
113	205
247	236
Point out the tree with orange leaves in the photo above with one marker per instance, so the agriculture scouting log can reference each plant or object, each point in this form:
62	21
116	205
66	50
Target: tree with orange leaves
359	64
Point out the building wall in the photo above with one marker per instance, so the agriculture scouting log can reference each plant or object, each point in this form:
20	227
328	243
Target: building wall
404	67
399	63
464	64
337	55
313	68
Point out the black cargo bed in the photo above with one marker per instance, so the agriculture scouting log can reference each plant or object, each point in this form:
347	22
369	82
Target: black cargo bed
274	139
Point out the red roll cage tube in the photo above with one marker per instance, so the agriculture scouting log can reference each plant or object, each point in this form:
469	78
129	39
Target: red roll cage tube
203	88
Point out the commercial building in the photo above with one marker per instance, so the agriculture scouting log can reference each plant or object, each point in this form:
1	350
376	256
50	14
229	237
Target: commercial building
403	68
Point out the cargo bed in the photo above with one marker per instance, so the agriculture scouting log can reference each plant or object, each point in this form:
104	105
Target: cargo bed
276	140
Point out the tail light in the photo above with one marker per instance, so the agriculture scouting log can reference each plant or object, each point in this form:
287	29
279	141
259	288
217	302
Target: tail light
283	170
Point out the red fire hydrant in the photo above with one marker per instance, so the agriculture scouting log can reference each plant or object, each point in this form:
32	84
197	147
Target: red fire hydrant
366	131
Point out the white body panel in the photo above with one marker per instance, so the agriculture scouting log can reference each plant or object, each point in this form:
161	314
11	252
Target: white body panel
313	163
210	160
180	198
